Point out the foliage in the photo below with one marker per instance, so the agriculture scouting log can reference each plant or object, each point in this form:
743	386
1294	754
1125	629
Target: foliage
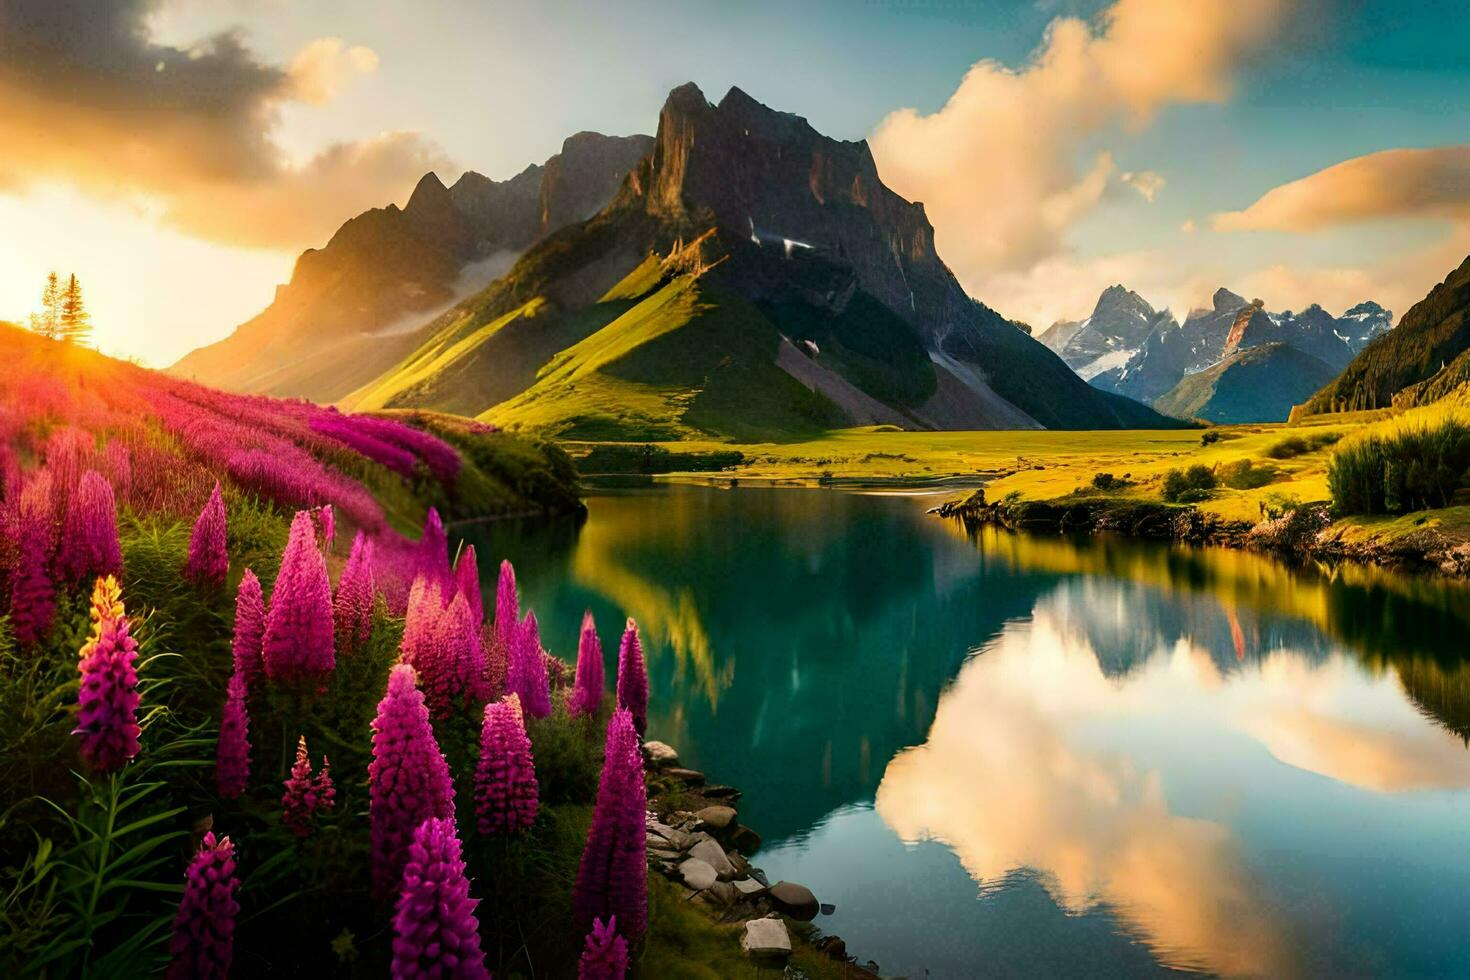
1245	474
1188	485
1297	445
1415	461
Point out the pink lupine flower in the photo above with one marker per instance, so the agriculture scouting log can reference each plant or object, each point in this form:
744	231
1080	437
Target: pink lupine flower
507	625
587	691
605	955
506	792
420	622
352	607
32	594
467	582
633	678
232	761
435	931
526	675
203	940
209	560
556	671
306	795
452	674
249	629
612	879
297	643
107	703
434	552
329	527
89	545
408	779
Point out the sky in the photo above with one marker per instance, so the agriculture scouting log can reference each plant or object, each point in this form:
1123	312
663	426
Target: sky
177	155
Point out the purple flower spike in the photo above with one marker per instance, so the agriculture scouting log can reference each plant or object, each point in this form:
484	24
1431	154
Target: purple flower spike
633	678
408	779
32	593
605	955
352	607
613	877
107	703
232	763
435	931
434	552
507	626
587	691
298	625
209	561
467	583
506	791
89	545
249	629
306	795
203	941
526	675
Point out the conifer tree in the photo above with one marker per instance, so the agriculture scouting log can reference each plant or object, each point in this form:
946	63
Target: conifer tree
47	322
74	322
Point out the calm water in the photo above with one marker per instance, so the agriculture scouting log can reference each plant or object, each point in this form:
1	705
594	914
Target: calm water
1030	756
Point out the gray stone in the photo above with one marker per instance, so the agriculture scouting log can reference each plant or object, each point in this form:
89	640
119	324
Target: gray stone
712	854
748	886
689	777
697	874
672	838
718	817
795	900
660	753
741	866
745	840
723	892
766	938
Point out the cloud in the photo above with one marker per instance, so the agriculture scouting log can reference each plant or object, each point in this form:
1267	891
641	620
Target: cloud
998	166
1388	184
320	70
1146	182
86	97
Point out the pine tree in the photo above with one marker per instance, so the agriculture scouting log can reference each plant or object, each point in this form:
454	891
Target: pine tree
47	323
75	322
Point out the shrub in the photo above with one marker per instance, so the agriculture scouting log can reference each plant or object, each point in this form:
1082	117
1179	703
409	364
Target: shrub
1242	474
1189	485
1299	445
1107	481
1411	463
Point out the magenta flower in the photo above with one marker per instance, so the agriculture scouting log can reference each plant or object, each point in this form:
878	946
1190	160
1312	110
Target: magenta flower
329	527
232	761
526	675
32	594
467	582
506	792
306	795
633	678
408	779
203	941
434	552
453	674
249	629
507	625
605	955
89	545
587	690
421	623
613	877
209	560
435	931
107	704
298	625
352	607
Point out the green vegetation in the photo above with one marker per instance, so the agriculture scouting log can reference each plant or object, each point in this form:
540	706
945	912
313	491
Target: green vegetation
1416	461
1188	486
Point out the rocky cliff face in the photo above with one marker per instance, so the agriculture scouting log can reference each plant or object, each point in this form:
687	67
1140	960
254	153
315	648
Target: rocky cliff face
1117	327
355	302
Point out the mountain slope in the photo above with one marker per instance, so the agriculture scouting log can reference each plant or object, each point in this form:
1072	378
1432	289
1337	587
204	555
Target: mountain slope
1429	338
354	308
1116	329
1257	384
790	240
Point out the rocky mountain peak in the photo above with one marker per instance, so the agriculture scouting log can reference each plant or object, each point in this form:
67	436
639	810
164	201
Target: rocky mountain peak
1224	301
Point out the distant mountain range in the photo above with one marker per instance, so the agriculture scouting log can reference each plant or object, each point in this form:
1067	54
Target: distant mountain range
749	278
351	308
1231	362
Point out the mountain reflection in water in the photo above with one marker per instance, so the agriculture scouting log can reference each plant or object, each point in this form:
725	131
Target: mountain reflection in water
1025	755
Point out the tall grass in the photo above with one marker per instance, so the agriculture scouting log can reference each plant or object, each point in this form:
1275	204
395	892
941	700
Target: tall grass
1415	461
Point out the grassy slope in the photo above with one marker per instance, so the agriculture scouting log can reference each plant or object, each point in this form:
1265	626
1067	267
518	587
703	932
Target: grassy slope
1267	380
686	361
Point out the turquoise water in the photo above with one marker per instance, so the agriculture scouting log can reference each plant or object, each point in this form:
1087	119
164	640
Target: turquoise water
1025	756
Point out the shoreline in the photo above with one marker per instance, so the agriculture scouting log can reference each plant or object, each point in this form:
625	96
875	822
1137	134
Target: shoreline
1305	534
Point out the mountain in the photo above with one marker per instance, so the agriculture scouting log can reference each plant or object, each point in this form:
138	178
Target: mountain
1414	363
752	278
350	309
1171	353
1254	384
1117	328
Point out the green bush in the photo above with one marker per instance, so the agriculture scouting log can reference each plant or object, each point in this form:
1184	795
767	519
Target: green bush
1401	468
1242	474
1300	445
1188	486
1107	481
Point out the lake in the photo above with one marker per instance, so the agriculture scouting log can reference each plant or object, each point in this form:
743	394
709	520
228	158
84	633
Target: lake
1019	755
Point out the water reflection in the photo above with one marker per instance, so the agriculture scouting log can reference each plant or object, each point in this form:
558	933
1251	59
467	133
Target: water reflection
1136	757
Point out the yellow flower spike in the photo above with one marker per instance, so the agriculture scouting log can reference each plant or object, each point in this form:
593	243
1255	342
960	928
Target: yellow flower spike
106	603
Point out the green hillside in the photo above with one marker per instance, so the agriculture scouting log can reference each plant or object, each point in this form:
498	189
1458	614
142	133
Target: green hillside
1258	384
